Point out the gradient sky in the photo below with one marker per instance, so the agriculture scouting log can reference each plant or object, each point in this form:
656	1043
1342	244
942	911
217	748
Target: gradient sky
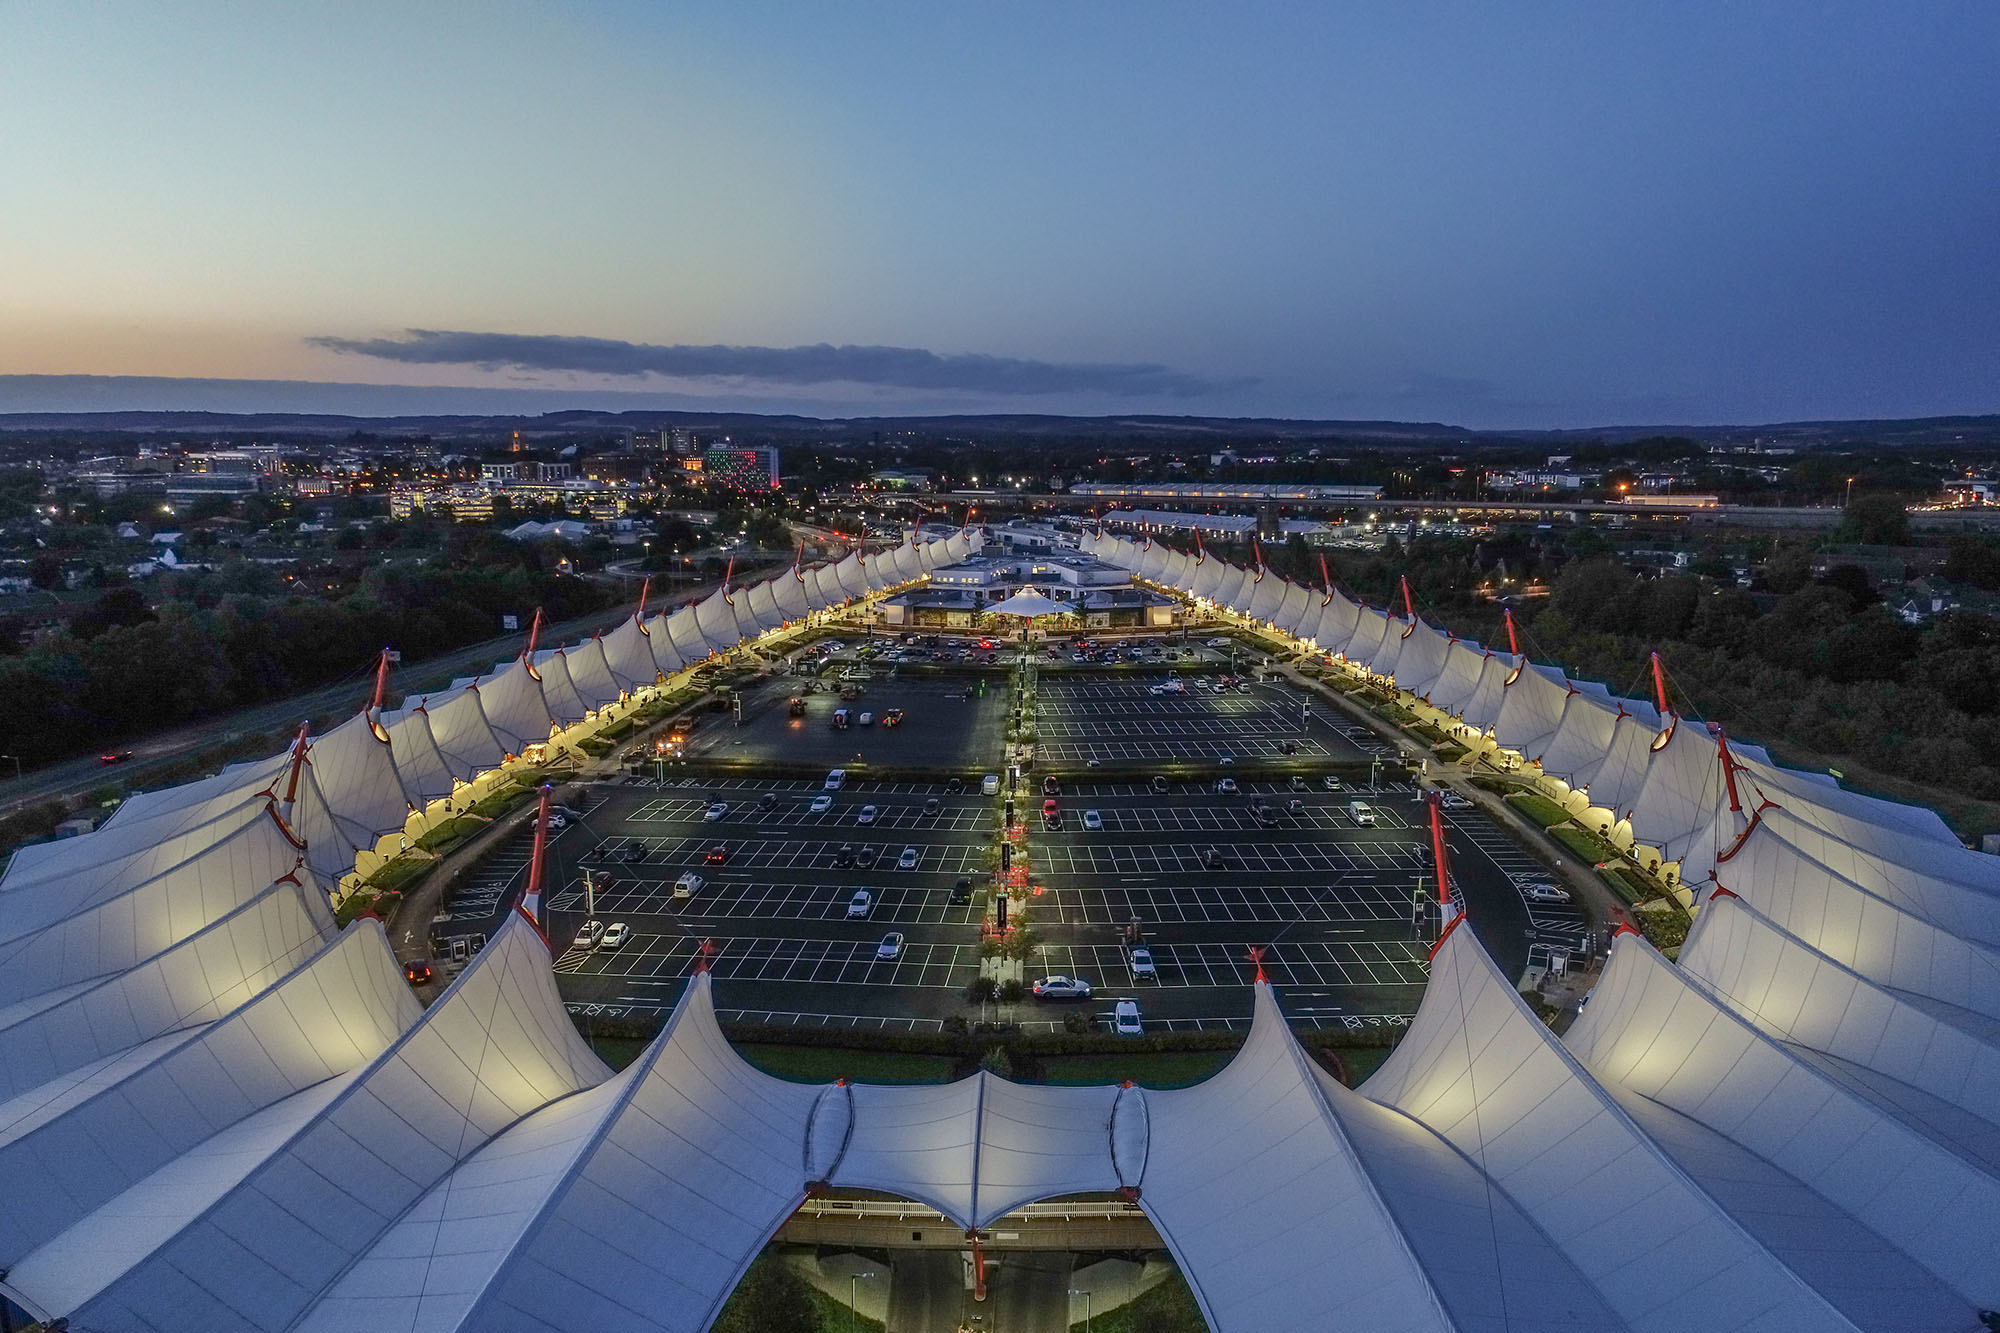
1495	215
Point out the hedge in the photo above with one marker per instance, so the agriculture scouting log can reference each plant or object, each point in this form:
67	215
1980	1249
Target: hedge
1539	809
1586	845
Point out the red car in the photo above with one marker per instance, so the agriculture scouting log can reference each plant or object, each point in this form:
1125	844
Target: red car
110	757
1049	808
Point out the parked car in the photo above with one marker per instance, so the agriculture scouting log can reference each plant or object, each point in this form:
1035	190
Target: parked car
867	815
589	936
1544	893
866	858
1159	784
908	860
1225	786
1361	813
1266	816
1125	1019
615	934
1297	783
821	804
1092	820
716	813
860	905
718	854
892	718
1451	800
417	972
767	800
1050	807
961	892
1141	962
990	785
836	779
1050	787
890	948
688	885
866	719
1329	783
932	806
1062	988
953	786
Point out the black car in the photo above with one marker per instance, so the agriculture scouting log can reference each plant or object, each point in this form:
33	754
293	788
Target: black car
932	806
1214	858
961	892
1160	785
844	858
954	787
865	857
767	800
635	852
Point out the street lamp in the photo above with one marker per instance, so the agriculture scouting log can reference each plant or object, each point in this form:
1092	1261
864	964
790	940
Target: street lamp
1086	1307
1850	492
853	1282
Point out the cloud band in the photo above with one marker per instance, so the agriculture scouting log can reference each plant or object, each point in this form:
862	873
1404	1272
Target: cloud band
821	363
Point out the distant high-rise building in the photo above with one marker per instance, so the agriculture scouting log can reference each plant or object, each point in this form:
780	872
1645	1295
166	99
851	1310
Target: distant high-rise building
677	442
741	468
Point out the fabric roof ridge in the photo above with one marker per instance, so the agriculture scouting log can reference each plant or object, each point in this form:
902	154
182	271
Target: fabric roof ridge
358	1080
269	995
1301	1064
1638	1135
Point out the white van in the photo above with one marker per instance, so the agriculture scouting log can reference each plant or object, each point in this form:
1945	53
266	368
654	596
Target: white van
687	886
1361	813
836	779
991	785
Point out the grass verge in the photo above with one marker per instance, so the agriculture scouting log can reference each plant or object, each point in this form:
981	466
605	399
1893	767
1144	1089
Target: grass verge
818	1064
1162	1069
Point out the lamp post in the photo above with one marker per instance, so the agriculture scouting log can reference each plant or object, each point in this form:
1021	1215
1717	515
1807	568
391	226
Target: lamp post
853	1283
1086	1307
1850	492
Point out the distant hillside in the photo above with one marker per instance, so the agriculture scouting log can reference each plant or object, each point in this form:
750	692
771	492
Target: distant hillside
43	405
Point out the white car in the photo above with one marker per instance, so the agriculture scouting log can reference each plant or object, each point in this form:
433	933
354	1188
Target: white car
866	720
716	813
558	820
867	815
615	934
908	860
1544	893
1330	782
1062	988
590	936
860	905
1451	800
821	804
1125	1019
836	779
1142	965
891	946
1092	820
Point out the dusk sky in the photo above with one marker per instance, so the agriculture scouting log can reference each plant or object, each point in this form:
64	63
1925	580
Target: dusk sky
1492	215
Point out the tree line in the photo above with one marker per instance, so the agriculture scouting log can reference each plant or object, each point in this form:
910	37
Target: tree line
122	667
1820	664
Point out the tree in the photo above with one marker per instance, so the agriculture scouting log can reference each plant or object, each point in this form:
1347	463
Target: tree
771	1298
1875	520
45	570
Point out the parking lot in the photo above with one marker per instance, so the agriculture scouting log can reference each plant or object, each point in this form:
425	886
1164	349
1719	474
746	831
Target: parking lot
1205	871
1138	718
958	718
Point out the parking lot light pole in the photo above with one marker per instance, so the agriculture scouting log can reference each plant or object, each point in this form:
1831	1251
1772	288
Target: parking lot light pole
853	1284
